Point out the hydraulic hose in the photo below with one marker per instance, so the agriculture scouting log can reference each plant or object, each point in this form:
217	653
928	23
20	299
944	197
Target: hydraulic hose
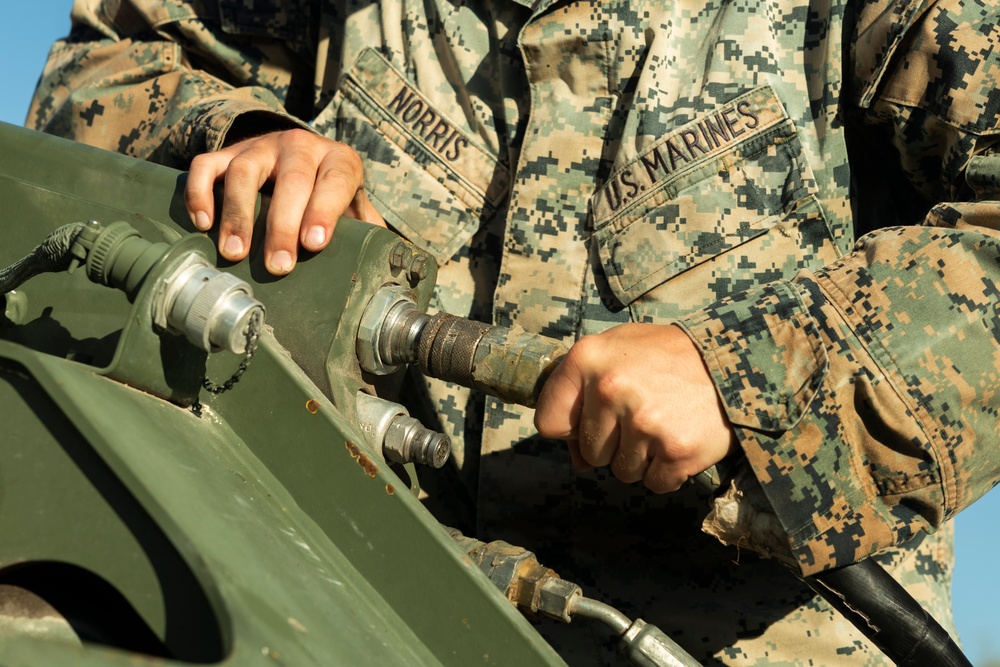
50	256
535	589
888	615
513	365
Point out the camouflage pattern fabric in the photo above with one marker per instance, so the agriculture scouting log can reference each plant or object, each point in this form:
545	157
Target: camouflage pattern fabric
573	165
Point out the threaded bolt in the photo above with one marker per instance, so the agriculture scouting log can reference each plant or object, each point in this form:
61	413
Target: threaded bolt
397	255
419	267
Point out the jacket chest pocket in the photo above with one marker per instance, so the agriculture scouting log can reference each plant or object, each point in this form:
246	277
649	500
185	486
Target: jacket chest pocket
722	204
430	180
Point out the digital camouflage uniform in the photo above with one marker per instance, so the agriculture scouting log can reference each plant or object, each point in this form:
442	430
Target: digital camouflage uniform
573	165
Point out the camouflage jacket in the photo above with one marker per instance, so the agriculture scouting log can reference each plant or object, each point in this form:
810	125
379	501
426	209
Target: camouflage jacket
573	165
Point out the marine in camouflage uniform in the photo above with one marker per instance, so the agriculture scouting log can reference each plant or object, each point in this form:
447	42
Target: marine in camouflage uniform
574	165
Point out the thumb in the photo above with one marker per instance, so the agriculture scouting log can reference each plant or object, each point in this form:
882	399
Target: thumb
560	402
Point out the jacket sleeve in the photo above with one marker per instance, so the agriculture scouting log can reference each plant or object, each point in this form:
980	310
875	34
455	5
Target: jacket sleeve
866	395
160	81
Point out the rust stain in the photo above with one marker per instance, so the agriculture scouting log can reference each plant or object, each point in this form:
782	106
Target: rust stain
312	405
390	489
366	464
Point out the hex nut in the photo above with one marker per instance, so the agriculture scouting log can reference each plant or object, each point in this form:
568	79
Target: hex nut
419	267
556	597
396	256
370	328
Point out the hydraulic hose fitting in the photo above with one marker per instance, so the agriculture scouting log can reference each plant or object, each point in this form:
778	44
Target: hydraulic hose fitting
536	589
648	646
400	334
389	327
508	363
389	428
516	572
406	439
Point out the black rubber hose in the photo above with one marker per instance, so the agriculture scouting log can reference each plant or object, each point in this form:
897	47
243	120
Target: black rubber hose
888	615
50	256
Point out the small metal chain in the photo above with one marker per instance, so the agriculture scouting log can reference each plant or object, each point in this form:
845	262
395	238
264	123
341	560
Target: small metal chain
253	336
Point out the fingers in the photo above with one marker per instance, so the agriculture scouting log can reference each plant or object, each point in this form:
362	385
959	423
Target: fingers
630	461
602	400
244	176
316	180
661	477
295	181
606	404
338	190
598	433
558	412
199	198
579	464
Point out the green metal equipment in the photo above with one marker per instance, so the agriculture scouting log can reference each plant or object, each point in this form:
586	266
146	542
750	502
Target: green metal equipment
202	466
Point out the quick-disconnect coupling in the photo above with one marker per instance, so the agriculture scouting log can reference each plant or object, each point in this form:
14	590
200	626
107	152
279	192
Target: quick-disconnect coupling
388	427
211	308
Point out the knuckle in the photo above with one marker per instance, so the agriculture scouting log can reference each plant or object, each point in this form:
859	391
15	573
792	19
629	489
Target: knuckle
609	385
622	468
298	175
660	479
647	420
682	445
585	349
232	221
299	137
201	161
347	156
543	421
193	198
241	168
336	180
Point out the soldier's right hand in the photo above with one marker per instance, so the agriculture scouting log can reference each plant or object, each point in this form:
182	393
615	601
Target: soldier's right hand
315	181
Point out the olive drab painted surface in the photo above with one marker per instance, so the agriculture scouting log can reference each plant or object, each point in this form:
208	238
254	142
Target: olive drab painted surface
573	165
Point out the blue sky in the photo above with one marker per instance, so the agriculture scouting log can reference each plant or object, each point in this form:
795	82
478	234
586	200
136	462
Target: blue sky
30	27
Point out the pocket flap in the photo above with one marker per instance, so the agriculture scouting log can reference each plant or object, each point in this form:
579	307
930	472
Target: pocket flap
717	201
431	178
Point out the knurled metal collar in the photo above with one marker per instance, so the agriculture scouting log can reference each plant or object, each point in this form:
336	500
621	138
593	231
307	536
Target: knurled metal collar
207	304
106	246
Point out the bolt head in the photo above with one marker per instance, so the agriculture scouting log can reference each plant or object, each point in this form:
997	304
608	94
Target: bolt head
419	267
397	255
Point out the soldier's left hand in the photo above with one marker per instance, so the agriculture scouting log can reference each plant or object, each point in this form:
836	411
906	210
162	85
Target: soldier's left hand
639	398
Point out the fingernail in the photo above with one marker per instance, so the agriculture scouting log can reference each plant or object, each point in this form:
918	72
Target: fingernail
281	262
234	246
315	237
202	221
